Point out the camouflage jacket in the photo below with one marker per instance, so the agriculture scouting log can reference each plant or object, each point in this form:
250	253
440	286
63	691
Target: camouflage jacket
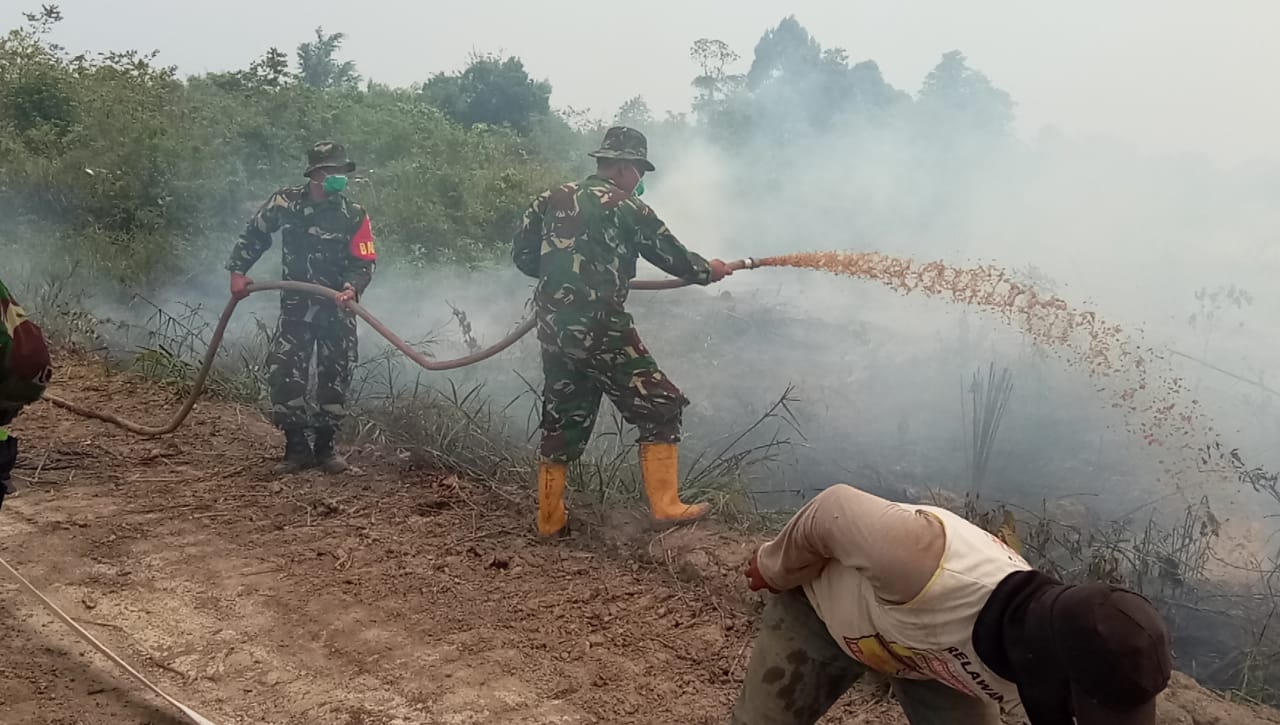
327	242
25	367
582	240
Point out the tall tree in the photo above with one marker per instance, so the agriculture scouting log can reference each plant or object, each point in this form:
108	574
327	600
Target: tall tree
318	65
714	84
635	113
787	50
956	91
271	70
490	91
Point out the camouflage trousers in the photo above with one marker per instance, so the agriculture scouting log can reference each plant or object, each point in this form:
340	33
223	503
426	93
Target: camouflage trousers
306	328
583	362
797	672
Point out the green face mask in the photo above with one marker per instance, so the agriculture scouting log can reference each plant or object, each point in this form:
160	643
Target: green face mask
640	188
334	184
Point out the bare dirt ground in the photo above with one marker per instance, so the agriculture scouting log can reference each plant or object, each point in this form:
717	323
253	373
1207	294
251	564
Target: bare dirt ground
396	596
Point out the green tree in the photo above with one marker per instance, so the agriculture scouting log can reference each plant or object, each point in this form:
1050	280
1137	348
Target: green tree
955	92
787	50
318	66
269	72
714	84
35	96
490	91
635	113
272	69
116	162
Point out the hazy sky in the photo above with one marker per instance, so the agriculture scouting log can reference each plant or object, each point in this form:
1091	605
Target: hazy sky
1166	75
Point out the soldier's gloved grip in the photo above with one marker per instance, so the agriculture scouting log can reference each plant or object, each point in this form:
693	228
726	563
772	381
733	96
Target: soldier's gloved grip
8	457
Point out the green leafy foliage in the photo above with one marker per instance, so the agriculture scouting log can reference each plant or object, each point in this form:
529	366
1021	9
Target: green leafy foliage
144	176
965	96
318	65
490	91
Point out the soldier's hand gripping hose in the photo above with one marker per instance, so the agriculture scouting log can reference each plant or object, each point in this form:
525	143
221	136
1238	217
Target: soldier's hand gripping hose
240	284
721	269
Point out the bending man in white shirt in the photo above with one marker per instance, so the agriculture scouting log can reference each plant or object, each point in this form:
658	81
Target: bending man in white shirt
961	623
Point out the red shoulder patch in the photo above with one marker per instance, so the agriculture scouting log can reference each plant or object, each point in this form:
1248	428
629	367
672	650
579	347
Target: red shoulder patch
362	242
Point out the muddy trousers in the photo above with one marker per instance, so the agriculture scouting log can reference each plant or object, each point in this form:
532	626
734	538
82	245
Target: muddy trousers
797	672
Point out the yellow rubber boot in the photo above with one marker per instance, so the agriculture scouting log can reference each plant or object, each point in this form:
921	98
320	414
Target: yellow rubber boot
552	516
660	465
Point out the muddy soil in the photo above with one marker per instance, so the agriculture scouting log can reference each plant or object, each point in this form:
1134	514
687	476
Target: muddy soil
388	596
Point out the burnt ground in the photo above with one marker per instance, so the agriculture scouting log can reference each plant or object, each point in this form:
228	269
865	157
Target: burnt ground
396	595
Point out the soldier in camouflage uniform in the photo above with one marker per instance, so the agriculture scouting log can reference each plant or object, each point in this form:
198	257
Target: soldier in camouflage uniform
581	241
25	371
327	240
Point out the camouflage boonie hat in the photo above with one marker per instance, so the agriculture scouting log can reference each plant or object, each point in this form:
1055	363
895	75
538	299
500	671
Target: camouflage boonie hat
622	142
328	154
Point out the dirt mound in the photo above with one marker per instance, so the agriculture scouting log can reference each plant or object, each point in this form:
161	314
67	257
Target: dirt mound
392	596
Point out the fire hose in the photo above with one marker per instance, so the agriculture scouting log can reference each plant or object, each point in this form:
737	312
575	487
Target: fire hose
215	342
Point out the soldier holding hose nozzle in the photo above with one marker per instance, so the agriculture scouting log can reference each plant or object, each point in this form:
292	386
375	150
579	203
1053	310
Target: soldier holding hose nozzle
326	239
581	241
25	371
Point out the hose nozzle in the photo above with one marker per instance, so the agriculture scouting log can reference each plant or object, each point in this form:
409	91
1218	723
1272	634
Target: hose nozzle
744	263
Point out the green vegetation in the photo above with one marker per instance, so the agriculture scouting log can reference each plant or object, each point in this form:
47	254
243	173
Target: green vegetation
144	176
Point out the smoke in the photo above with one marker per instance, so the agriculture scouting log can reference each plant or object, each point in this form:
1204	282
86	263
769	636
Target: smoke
879	377
1162	245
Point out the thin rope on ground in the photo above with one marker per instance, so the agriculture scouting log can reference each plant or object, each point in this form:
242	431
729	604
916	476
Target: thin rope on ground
190	714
